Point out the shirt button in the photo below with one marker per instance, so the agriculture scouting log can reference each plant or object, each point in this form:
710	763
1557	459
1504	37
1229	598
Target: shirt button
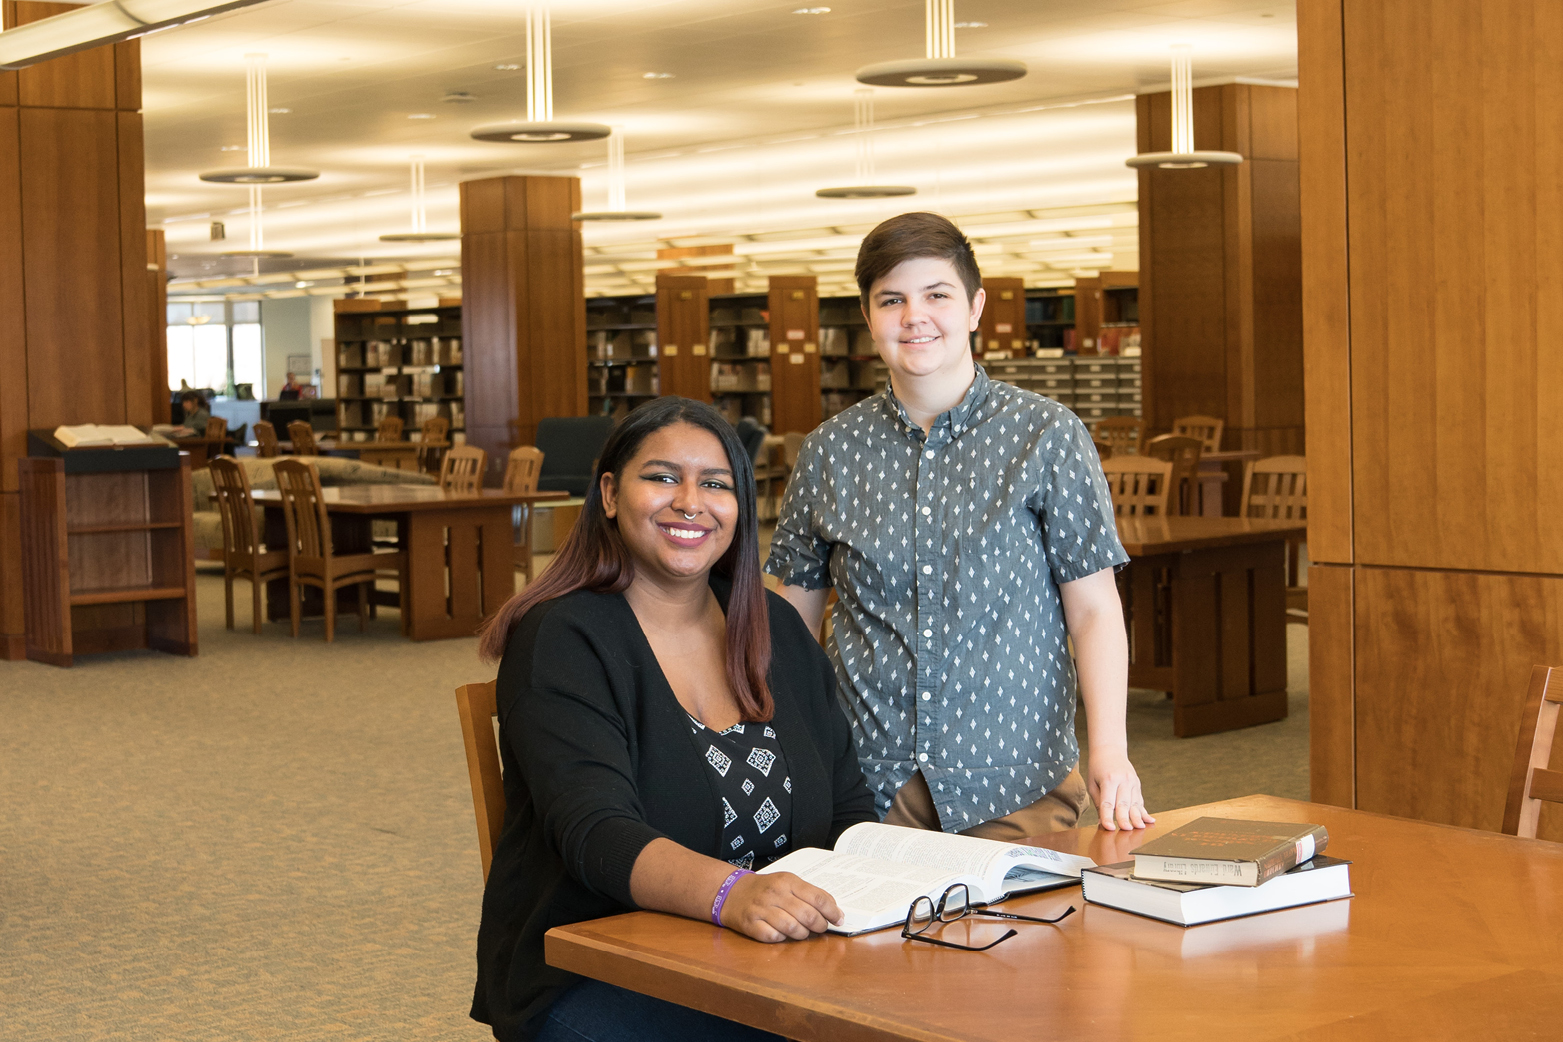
927	633
927	511
929	454
927	569
922	757
927	696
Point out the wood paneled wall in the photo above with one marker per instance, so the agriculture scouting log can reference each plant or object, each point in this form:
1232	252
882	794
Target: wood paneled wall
523	312
684	336
1432	199
1003	324
1220	280
795	366
157	308
75	322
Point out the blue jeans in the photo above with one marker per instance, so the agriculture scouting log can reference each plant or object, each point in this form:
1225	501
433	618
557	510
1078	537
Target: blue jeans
592	1011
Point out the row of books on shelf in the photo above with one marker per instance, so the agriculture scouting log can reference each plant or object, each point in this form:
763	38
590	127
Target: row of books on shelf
1121	339
623	379
736	376
621	315
736	406
449	383
372	354
621	343
840	341
369	413
753	341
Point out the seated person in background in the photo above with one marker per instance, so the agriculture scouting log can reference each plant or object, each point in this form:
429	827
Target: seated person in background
196	413
666	725
290	390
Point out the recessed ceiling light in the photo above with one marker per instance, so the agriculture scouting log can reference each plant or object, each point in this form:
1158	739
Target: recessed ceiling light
507	67
657	76
232	148
971	25
279	112
420	115
812	10
301	285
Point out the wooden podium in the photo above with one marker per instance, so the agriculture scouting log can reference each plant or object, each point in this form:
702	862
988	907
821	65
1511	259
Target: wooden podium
107	549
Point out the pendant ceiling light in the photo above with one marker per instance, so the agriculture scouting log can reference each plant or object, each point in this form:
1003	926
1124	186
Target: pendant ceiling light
941	68
258	122
616	210
863	119
257	251
540	126
420	223
1183	156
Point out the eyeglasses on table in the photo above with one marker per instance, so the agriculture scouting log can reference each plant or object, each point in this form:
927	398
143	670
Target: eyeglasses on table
956	903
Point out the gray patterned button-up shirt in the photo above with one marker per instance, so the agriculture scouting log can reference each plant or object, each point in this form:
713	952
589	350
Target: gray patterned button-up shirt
946	552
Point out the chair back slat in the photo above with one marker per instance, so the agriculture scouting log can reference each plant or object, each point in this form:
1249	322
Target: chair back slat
266	445
388	429
303	438
1208	429
1141	485
436	428
216	427
462	470
521	472
1123	434
1530	782
237	508
303	508
1183	453
1276	487
475	703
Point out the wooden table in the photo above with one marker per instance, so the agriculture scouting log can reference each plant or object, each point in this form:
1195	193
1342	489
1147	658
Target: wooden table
1453	934
201	448
398	455
460	549
1213	476
1205	601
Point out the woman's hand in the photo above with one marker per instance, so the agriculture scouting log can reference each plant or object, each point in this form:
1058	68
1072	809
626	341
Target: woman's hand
777	906
1115	789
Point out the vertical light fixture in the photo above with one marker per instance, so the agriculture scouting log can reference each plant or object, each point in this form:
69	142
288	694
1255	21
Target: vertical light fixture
616	210
257	118
540	127
941	68
1183	155
863	133
420	222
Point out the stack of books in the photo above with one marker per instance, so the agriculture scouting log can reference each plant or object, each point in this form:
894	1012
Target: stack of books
1222	868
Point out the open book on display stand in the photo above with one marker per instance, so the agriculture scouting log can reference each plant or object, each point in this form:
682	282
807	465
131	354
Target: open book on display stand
85	435
876	871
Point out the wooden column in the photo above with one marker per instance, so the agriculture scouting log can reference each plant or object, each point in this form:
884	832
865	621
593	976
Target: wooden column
74	324
523	309
1003	323
1220	282
684	335
794	307
1434	381
157	311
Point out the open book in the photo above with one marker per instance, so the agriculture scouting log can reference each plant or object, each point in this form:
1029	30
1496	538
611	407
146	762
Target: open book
876	871
86	434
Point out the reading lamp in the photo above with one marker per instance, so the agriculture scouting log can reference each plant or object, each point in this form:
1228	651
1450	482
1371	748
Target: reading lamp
100	24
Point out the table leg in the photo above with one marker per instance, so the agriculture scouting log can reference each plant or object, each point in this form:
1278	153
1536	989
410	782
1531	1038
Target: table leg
460	569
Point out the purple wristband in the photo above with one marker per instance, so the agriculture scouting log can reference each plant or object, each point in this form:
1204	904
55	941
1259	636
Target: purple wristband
721	894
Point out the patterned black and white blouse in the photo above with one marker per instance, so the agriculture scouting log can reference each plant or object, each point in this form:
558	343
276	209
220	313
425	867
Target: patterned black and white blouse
756	790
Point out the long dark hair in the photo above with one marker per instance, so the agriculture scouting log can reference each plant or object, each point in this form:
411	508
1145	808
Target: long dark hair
593	556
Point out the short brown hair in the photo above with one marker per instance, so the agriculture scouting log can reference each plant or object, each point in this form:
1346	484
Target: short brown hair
909	236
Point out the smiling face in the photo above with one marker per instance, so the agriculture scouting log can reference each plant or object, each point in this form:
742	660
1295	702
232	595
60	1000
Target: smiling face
675	504
922	320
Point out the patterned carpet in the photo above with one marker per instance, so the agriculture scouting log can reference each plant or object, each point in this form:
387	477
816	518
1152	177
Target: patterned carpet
274	841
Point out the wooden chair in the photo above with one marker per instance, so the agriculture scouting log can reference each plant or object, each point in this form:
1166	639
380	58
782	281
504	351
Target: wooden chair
432	442
266	445
243	555
1125	435
303	438
521	473
1277	487
216	427
1141	485
311	560
388	429
1208	429
475	704
462	470
1530	782
1183	453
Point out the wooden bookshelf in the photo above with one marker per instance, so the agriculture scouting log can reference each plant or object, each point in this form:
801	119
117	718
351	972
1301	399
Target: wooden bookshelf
850	369
1050	320
108	546
1111	300
683	335
621	353
406	363
793	303
739	348
1001	332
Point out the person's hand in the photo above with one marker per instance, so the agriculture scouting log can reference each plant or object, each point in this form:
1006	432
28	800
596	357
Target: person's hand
776	906
1115	789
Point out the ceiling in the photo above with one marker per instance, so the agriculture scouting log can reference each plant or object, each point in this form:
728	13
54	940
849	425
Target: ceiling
752	112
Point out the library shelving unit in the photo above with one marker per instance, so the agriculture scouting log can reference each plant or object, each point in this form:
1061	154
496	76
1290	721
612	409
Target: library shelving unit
1107	306
740	356
1001	332
1050	320
850	369
621	354
107	549
683	332
405	363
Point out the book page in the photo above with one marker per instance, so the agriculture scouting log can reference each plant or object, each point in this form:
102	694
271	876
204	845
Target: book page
871	892
1003	866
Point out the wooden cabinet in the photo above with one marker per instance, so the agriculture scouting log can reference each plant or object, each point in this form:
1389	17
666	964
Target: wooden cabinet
1002	332
107	550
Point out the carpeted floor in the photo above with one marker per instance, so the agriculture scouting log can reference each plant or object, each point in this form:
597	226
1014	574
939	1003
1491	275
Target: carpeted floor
275	841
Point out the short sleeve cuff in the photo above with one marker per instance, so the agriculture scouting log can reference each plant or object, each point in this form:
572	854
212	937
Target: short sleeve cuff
1098	560
793	570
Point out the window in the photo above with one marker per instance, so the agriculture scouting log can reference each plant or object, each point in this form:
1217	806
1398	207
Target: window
213	345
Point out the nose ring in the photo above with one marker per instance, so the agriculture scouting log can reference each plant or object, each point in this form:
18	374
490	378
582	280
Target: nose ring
690	517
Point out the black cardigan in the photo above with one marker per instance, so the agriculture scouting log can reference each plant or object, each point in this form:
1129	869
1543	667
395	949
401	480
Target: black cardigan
599	760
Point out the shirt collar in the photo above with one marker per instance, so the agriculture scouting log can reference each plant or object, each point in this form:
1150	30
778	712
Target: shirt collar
957	418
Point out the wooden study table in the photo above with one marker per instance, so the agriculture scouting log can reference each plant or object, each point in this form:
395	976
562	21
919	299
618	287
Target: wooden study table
398	455
1213	477
460	549
1205	600
200	447
1453	934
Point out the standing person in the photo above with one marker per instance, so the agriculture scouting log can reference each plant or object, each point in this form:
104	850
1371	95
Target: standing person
968	532
666	727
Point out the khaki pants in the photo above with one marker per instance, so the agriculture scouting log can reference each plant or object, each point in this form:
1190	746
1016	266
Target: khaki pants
1060	809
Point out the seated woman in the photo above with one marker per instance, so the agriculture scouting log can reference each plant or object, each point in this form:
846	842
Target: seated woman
666	726
196	413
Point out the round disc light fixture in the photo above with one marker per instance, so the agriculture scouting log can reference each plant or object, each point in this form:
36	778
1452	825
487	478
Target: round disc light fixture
1182	160
541	132
540	127
863	132
865	192
260	175
615	215
616	210
419	232
1183	155
260	171
420	237
941	68
256	254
